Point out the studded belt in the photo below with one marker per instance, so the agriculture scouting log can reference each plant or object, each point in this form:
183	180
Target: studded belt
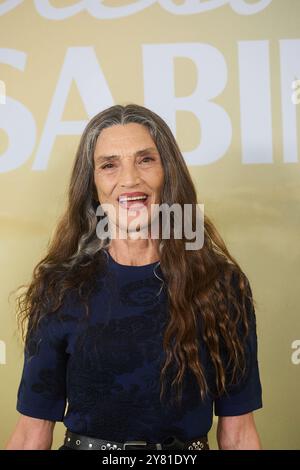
78	442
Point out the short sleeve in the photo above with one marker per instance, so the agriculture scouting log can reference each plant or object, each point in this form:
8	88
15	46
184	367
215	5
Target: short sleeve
42	390
245	396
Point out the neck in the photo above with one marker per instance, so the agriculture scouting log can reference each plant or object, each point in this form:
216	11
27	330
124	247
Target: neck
134	252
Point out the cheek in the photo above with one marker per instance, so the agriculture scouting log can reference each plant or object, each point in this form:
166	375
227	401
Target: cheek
155	177
100	183
97	183
104	186
159	179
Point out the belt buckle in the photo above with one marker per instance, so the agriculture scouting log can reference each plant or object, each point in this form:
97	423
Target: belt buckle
138	443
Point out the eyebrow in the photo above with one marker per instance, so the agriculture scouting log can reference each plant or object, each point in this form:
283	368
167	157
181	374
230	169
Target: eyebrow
139	153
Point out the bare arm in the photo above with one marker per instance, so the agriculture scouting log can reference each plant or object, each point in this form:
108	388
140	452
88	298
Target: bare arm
238	433
31	434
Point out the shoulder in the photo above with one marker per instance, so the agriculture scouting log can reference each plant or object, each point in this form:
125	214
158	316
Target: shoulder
55	325
235	287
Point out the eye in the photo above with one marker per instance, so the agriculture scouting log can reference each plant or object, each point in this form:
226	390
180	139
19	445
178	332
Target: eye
107	166
147	158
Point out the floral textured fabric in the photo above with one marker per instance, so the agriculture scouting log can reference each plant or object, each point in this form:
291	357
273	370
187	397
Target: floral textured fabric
99	374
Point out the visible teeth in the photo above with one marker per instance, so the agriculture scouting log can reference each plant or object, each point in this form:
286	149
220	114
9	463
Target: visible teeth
132	198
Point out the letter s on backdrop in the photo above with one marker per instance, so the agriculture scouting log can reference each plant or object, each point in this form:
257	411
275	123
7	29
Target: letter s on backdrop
16	120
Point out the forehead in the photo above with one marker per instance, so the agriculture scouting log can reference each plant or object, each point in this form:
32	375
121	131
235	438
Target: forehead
123	138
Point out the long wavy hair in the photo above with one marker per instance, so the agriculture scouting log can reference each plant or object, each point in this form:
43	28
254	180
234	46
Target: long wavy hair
199	283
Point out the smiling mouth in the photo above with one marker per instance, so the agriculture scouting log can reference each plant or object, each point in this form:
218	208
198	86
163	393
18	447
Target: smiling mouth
133	201
132	198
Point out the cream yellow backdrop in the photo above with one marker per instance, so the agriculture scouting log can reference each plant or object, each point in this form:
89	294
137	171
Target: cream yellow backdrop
225	75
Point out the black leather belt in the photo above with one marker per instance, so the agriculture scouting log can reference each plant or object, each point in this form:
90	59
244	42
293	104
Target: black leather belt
78	442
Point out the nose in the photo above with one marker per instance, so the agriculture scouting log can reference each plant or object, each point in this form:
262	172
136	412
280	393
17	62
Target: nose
129	175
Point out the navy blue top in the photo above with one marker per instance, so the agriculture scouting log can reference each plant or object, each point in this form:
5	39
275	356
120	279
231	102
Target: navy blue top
99	374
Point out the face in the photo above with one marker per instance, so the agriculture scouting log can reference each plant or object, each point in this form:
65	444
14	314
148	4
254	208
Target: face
128	176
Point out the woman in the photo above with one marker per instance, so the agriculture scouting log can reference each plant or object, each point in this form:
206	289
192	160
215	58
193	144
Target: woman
143	337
